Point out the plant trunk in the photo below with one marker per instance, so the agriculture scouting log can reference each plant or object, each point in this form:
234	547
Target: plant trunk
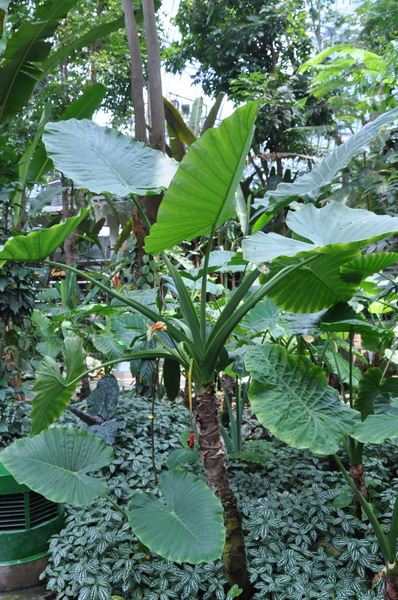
136	71
156	107
391	585
206	408
358	477
68	211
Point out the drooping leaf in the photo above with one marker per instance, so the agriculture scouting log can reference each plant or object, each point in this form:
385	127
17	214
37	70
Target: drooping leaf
56	462
202	192
373	391
331	225
103	399
174	120
311	183
25	50
38	245
53	392
103	160
172	378
190	514
291	398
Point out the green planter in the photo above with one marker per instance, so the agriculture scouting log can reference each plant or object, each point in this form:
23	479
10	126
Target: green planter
27	520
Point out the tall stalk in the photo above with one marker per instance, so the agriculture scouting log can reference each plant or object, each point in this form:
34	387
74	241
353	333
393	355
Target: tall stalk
211	447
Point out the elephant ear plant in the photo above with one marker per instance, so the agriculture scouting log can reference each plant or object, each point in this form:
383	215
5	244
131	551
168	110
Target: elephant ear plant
304	276
289	394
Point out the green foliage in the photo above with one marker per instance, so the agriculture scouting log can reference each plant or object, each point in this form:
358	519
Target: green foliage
38	245
56	463
53	392
336	233
190	513
26	49
18	286
298	543
291	398
232	37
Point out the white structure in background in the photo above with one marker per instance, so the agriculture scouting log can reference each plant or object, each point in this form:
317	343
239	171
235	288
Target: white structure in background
180	89
346	7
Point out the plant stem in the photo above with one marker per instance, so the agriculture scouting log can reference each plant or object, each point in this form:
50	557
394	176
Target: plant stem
392	535
204	287
153	452
118	508
367	507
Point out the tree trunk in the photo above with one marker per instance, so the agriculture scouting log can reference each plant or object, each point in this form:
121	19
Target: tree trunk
68	211
136	71
358	477
206	407
155	96
391	583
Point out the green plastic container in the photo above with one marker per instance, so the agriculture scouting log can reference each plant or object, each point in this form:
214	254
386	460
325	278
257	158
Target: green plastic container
27	520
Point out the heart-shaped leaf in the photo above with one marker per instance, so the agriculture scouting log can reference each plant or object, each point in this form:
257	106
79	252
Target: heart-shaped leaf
56	462
187	526
291	398
104	160
328	226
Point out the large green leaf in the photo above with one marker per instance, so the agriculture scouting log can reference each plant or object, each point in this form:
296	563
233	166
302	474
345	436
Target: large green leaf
202	193
187	526
331	225
38	245
25	50
56	462
311	183
314	286
291	398
104	160
53	391
81	108
376	429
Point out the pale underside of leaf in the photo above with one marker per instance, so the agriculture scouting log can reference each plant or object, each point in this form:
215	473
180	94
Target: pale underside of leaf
56	462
